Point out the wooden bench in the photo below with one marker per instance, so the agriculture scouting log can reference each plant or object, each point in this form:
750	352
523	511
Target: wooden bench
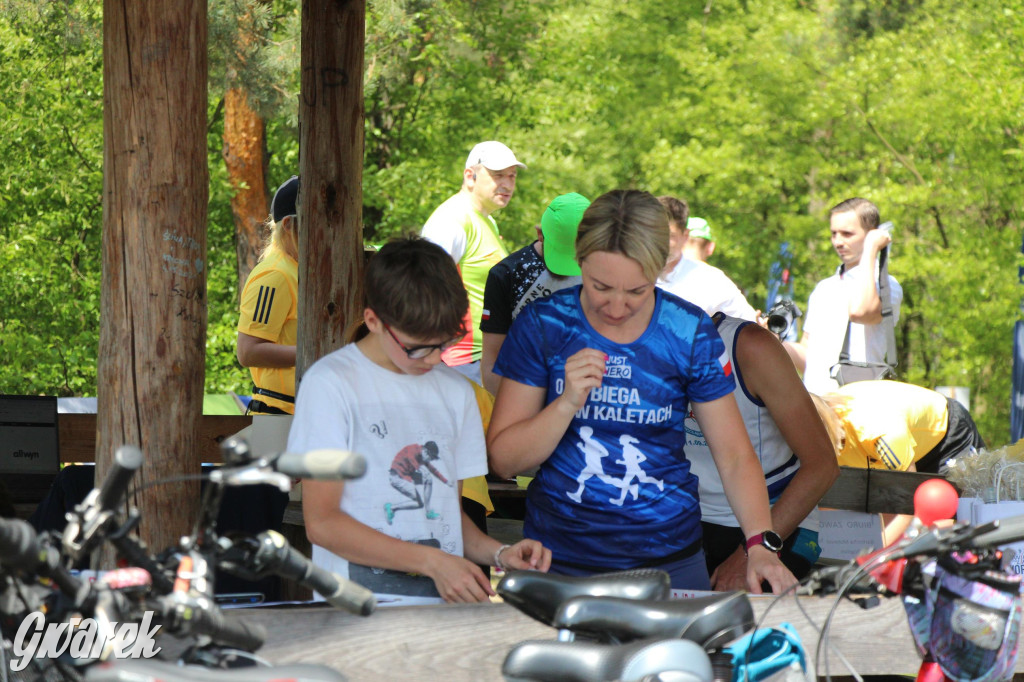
77	434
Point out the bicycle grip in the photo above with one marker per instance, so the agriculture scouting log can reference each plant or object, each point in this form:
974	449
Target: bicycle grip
325	464
127	461
337	591
19	547
341	592
233	632
1006	530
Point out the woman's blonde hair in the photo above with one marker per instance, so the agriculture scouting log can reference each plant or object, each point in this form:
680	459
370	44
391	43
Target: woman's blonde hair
825	405
630	222
274	231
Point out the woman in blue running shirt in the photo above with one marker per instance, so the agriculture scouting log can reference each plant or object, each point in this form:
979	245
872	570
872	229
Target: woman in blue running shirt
599	380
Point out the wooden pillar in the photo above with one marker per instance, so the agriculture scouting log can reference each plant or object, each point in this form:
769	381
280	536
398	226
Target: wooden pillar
153	308
331	174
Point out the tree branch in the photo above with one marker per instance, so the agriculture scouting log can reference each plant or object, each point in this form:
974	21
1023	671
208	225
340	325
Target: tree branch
74	147
904	161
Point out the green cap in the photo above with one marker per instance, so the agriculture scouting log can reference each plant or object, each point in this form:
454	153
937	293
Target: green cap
699	227
559	224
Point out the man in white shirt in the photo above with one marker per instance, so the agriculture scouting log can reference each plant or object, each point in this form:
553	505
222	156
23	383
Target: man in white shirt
848	298
695	281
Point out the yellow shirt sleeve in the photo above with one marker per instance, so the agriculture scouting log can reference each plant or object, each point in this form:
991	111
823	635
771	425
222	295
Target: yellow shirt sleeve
266	305
476	488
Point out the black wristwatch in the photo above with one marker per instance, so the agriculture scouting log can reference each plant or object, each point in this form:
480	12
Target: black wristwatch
768	539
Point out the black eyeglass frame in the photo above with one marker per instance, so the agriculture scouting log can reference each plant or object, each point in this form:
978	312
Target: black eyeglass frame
420	352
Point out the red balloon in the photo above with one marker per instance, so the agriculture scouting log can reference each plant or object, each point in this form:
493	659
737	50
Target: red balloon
935	499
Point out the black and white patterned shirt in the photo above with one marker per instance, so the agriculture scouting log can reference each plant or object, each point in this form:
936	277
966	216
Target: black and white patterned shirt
517	280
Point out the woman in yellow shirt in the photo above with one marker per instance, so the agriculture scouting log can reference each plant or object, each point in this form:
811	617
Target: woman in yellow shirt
268	315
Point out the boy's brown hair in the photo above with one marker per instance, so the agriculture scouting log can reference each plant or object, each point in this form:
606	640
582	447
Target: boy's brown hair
413	285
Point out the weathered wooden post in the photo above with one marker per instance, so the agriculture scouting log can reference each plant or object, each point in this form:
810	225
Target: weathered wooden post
153	309
331	170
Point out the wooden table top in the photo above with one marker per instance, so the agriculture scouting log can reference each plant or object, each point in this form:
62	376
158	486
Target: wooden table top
469	642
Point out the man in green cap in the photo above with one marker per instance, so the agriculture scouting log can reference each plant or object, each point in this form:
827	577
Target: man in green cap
699	244
532	272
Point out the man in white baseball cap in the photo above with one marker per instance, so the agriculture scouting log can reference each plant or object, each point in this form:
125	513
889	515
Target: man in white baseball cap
463	227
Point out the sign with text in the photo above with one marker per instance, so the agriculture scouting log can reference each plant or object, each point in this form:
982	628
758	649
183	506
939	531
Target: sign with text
845	535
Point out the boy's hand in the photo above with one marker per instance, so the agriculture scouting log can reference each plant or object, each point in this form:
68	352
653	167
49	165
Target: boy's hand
527	555
458	580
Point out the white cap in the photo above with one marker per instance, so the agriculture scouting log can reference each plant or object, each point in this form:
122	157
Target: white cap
492	155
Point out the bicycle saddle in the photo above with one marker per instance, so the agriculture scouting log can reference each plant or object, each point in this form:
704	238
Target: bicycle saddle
539	595
137	670
711	621
668	659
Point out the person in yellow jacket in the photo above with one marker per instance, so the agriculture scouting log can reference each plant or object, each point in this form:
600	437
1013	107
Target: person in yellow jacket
268	316
896	426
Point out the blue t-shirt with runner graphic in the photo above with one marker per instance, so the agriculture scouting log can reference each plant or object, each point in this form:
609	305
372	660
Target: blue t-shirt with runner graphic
617	491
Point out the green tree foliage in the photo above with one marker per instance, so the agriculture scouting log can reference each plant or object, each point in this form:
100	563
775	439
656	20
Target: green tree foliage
254	45
50	203
762	115
440	76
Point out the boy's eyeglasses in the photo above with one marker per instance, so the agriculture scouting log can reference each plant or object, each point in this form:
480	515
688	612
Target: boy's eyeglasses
420	352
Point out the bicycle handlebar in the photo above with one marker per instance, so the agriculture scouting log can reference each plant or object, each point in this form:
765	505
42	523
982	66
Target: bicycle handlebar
23	550
127	461
287	562
323	465
881	568
19	545
235	632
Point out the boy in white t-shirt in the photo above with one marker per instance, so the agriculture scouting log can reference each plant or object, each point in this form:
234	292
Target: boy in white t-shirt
400	528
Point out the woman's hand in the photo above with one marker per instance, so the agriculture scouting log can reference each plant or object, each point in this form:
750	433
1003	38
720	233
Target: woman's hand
584	370
764	564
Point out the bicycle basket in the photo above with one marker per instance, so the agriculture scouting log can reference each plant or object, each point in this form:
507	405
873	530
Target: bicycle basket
969	627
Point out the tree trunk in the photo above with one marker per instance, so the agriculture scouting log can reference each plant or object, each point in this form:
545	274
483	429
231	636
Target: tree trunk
331	165
245	157
153	308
